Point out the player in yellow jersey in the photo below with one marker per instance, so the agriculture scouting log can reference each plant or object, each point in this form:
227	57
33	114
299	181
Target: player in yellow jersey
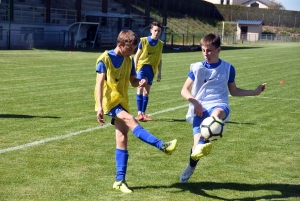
148	61
115	69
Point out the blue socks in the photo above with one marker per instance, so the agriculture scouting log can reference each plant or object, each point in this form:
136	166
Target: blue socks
192	162
121	157
145	136
141	102
145	103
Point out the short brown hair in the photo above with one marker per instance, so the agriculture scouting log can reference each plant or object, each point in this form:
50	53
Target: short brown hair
156	24
211	39
127	37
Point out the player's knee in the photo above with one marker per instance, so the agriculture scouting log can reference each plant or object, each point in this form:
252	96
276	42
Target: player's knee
131	121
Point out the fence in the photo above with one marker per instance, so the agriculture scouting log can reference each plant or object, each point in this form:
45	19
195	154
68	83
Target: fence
176	40
193	8
29	39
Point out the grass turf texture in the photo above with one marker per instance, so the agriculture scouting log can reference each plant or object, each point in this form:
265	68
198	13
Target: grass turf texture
47	98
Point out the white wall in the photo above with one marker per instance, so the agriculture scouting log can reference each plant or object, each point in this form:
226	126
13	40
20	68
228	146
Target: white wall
260	5
219	1
253	32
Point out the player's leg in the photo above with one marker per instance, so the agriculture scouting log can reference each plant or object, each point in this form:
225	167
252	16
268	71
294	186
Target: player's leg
146	72
121	156
220	112
139	102
144	135
139	94
146	94
200	148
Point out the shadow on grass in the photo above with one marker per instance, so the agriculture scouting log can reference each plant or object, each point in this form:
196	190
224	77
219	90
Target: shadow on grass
234	122
166	49
180	49
200	188
23	116
183	120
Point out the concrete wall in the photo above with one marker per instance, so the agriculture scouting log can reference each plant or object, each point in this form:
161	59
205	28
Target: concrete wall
254	31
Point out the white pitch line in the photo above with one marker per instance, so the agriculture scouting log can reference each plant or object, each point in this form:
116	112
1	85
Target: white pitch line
35	143
101	127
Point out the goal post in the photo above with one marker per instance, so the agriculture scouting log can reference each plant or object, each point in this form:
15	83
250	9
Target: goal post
223	28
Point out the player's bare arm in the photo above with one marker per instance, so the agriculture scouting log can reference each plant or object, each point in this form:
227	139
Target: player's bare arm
137	82
235	91
137	56
185	93
159	71
99	96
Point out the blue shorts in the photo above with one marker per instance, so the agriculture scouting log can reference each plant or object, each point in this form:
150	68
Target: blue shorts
113	113
198	120
146	72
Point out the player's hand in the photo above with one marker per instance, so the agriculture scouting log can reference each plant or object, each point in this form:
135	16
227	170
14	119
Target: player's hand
143	82
100	117
158	78
198	109
260	88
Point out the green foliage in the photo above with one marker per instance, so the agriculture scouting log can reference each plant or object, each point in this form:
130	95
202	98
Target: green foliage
51	147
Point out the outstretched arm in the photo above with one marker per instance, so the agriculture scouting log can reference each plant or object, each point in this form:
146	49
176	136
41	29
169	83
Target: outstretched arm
235	91
185	93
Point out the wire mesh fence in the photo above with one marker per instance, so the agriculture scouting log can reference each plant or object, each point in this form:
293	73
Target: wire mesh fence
29	39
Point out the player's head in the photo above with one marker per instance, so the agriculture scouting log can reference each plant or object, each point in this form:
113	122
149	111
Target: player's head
211	47
155	30
127	42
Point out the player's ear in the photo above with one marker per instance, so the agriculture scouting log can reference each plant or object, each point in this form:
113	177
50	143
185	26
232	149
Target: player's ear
219	49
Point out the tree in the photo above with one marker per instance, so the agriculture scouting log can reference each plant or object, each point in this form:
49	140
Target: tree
238	2
276	5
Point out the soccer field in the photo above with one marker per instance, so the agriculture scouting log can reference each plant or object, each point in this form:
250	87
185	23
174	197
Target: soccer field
52	148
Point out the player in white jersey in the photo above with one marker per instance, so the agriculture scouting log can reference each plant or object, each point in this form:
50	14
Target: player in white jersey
210	81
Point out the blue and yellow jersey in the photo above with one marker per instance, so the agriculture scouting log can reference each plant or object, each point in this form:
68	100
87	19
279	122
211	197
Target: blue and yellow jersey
116	83
151	55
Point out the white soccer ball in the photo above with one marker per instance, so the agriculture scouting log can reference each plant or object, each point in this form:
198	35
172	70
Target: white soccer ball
212	128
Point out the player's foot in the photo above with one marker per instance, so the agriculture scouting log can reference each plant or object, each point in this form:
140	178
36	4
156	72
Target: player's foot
169	147
147	118
186	174
201	150
140	117
122	186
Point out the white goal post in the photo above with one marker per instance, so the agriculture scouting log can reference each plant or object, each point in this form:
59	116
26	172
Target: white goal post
226	22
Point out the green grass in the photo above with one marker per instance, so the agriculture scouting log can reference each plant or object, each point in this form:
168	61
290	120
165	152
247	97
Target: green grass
46	99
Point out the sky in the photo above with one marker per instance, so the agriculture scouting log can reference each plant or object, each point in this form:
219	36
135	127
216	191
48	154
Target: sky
290	4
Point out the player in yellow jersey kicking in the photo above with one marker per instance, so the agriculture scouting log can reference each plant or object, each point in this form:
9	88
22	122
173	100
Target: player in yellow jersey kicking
148	60
115	69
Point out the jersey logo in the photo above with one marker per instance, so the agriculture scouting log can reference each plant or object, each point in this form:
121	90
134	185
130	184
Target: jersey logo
149	53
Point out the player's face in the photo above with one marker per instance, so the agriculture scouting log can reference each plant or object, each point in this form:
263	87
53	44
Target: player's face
155	32
210	53
127	50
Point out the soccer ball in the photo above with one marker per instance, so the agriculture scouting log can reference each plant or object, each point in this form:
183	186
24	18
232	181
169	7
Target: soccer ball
212	128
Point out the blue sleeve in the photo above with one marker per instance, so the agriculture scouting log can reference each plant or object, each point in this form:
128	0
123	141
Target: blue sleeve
133	72
191	75
140	46
231	75
101	68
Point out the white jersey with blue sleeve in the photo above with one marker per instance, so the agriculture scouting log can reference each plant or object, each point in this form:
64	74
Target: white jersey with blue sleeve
210	86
